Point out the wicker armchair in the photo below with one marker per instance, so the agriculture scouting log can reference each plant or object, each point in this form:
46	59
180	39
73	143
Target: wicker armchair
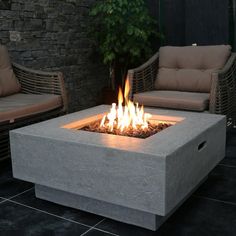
222	93
33	82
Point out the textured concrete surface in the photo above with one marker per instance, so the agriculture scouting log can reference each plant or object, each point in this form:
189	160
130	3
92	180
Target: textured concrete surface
152	175
116	212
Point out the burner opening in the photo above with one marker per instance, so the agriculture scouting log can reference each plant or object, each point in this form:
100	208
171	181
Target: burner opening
154	126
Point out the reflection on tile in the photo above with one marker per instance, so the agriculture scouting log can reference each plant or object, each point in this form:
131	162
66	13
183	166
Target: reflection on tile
1	199
221	184
95	232
20	220
10	186
29	199
196	217
231	137
230	158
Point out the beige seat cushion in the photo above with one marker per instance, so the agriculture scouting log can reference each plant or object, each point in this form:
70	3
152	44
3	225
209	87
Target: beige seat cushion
22	105
189	68
174	100
8	81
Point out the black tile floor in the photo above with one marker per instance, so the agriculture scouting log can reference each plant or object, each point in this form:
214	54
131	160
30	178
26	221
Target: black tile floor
211	210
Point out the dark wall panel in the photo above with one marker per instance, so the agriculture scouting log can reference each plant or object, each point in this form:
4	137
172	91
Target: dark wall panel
206	22
153	7
193	21
174	21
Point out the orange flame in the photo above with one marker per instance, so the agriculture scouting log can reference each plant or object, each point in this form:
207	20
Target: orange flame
131	115
127	89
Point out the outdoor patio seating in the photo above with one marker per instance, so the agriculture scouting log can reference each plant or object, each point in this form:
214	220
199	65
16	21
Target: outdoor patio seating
26	96
196	78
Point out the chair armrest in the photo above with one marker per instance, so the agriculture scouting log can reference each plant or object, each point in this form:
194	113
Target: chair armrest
142	78
230	65
223	90
41	82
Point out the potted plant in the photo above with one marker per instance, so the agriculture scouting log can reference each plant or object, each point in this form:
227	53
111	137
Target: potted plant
122	31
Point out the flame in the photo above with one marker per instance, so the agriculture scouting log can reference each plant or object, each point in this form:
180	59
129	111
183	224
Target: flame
130	116
127	89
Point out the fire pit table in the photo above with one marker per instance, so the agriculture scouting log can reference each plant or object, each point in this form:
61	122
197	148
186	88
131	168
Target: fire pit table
140	181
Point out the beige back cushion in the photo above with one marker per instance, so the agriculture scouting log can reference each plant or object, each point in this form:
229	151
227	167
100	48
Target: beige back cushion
8	81
189	68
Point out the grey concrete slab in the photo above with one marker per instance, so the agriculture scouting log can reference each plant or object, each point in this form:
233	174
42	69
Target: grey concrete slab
112	211
131	216
150	175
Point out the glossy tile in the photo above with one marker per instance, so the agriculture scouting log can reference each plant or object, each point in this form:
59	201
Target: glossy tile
19	220
1	199
10	186
95	232
230	158
196	217
220	185
231	137
29	199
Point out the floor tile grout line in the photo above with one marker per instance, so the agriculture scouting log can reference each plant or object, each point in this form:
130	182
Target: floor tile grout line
86	231
76	222
92	227
48	213
4	200
104	231
227	165
20	193
215	200
95	227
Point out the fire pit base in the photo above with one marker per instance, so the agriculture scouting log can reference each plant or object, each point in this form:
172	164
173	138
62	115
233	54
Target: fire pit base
124	214
112	211
136	181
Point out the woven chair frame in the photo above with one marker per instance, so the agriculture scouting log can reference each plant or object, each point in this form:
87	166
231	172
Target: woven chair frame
142	78
33	82
223	89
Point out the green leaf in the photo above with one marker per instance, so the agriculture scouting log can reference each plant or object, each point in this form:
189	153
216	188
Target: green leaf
129	30
122	30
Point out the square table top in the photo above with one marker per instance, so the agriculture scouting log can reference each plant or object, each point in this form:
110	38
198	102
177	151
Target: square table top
188	126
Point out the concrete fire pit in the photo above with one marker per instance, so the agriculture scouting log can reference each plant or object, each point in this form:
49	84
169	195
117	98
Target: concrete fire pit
137	181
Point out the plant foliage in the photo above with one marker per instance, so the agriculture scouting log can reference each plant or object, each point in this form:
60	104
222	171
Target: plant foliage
122	30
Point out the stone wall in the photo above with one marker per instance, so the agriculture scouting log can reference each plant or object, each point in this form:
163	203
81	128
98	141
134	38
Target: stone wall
52	34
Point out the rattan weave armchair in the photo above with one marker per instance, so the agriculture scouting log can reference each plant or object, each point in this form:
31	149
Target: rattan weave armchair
41	82
222	93
33	82
143	77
